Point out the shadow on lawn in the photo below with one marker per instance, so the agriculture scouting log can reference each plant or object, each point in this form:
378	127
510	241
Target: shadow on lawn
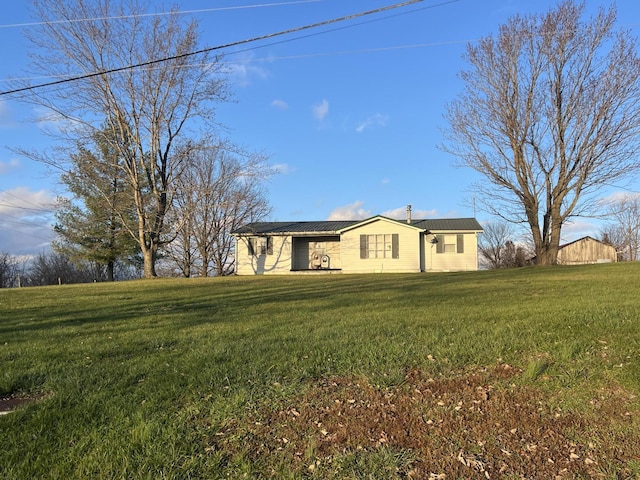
207	301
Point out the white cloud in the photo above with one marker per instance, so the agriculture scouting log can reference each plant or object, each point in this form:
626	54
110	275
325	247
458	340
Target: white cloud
51	121
321	110
25	220
22	199
576	229
377	120
7	167
385	181
618	197
281	168
280	104
353	211
400	213
244	71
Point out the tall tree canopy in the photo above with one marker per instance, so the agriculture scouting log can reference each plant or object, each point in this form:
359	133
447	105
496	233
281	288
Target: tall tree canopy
549	114
148	110
97	224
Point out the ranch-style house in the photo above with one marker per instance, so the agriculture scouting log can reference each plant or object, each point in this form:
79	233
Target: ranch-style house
375	245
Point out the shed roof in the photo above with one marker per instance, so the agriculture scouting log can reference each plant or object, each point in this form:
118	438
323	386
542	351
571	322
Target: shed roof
585	239
335	226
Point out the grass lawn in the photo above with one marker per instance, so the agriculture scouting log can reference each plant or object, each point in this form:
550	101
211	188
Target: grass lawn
524	373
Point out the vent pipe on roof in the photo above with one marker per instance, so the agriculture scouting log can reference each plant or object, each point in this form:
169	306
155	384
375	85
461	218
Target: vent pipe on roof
409	214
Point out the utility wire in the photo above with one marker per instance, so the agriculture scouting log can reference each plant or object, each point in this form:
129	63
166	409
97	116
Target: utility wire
120	17
309	35
10	205
210	49
7	193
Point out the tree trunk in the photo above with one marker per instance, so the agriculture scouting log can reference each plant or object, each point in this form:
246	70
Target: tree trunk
149	256
110	268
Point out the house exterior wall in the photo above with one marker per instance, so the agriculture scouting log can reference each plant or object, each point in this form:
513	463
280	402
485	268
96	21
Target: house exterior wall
586	250
275	259
408	248
376	245
439	259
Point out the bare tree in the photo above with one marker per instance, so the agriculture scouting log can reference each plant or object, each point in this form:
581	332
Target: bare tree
550	113
623	214
514	255
492	241
613	235
221	189
147	109
53	268
8	270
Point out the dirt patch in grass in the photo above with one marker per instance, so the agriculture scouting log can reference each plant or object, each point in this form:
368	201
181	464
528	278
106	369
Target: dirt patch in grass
480	424
8	403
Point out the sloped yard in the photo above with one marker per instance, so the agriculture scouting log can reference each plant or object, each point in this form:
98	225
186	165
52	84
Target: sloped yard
530	373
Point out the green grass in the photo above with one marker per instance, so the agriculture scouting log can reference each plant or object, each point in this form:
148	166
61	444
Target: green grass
135	378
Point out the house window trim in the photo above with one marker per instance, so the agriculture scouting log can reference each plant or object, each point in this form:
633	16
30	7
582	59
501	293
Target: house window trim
365	251
260	245
458	243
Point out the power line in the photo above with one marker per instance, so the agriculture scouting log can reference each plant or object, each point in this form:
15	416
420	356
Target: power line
350	26
7	193
210	49
311	55
10	205
120	17
19	221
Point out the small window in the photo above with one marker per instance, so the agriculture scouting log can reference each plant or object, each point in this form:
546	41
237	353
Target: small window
450	243
260	246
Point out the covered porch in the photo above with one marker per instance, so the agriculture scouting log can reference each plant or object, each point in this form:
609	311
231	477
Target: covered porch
315	253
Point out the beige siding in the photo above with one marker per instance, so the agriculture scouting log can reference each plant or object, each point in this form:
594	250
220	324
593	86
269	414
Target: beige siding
278	262
586	250
451	261
414	250
408	248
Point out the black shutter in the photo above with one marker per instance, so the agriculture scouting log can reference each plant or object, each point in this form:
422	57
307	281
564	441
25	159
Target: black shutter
363	246
440	244
395	246
250	249
460	243
269	245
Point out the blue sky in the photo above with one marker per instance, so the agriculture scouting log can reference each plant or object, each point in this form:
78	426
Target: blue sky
349	114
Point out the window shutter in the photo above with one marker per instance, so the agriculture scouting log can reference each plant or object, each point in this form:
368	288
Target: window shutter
363	246
395	246
460	243
269	245
250	249
440	244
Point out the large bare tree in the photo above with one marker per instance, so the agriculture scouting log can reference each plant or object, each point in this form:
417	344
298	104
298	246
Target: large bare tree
549	115
148	110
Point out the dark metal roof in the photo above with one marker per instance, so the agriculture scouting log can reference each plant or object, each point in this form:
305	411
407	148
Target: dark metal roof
457	224
257	228
326	227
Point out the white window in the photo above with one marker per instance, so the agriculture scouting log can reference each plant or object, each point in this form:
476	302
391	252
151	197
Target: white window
450	243
379	246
